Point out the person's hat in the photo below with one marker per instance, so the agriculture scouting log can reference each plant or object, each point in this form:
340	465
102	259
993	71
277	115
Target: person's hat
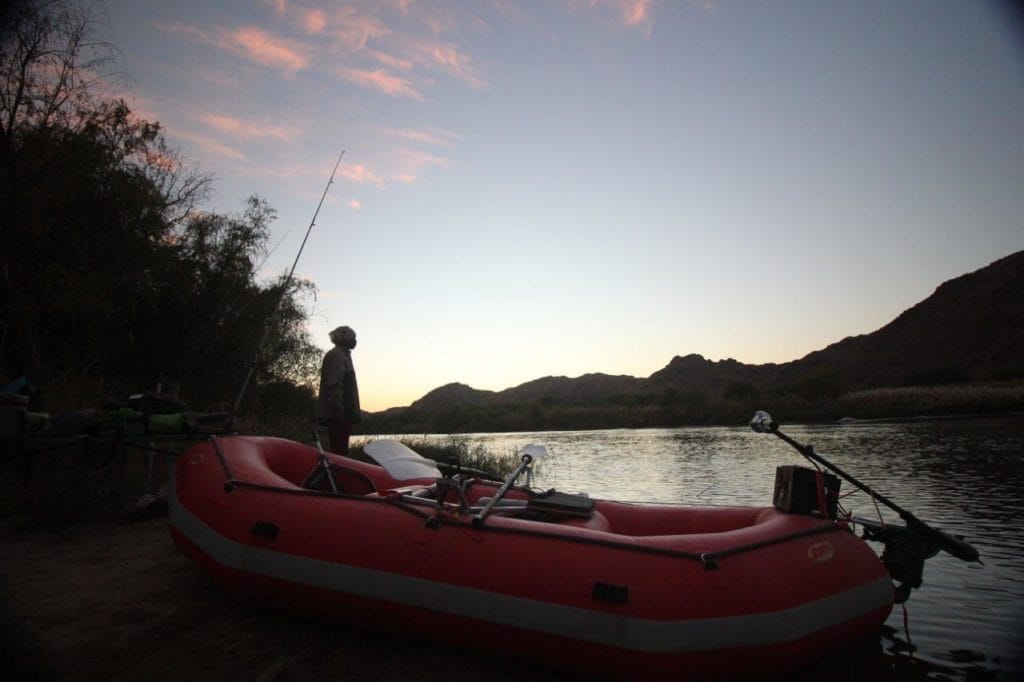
341	334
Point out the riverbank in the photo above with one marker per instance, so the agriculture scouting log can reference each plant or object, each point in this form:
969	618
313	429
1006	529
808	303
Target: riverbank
115	601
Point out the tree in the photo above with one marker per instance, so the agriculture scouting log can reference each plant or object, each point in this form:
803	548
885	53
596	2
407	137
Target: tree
108	269
85	189
219	310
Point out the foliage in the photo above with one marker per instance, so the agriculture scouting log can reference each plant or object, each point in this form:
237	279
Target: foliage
282	409
110	275
820	385
472	456
699	409
741	390
222	312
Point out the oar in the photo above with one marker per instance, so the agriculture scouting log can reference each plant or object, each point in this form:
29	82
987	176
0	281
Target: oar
763	423
454	467
529	453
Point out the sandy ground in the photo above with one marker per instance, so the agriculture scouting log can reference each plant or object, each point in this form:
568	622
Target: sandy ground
115	601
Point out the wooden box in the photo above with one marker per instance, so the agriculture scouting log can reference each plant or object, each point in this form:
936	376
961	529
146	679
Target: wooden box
796	491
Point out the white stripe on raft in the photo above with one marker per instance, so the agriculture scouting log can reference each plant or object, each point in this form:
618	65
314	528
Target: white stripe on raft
638	634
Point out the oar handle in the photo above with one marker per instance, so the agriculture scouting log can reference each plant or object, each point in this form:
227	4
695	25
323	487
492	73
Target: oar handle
509	482
958	547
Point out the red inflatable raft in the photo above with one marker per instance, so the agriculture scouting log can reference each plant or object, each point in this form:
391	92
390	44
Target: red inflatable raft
603	588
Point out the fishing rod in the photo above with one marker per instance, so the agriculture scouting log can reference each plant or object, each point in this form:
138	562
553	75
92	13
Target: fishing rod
284	290
763	423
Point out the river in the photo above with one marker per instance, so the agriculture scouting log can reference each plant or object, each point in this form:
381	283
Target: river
965	476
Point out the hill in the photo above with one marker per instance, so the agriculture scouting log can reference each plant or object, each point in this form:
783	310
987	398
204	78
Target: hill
971	329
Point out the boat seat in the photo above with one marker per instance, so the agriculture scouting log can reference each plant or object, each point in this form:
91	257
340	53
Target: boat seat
562	503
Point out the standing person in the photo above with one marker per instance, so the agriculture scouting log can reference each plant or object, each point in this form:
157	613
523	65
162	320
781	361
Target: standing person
337	406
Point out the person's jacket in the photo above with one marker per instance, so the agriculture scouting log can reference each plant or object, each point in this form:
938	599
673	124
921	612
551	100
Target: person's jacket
339	393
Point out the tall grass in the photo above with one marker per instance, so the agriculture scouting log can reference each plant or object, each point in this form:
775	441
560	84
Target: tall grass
472	456
913	401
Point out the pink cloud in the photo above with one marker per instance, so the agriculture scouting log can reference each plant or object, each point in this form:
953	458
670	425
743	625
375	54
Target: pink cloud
212	146
314	21
360	175
447	58
440	22
445	18
247	129
640	13
632	13
367	36
355	205
402	165
439	138
263	48
187	29
353	30
410	164
388	60
381	81
251	43
637	12
401	5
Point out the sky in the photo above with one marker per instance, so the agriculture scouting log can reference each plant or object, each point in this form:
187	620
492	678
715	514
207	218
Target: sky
559	187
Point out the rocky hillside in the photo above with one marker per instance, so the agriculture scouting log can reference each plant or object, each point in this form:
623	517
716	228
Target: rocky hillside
970	329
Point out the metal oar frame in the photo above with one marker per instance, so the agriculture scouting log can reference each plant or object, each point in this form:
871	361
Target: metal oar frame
906	547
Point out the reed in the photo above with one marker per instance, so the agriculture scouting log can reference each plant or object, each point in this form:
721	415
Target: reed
912	401
470	455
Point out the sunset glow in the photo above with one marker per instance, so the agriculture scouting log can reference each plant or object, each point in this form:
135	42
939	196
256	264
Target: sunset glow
538	188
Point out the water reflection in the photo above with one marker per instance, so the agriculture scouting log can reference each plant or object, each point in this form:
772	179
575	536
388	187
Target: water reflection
964	476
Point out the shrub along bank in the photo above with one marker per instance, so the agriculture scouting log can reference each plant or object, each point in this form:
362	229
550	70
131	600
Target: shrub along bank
699	409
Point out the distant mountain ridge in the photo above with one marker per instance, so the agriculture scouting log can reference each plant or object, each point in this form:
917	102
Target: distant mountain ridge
970	329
